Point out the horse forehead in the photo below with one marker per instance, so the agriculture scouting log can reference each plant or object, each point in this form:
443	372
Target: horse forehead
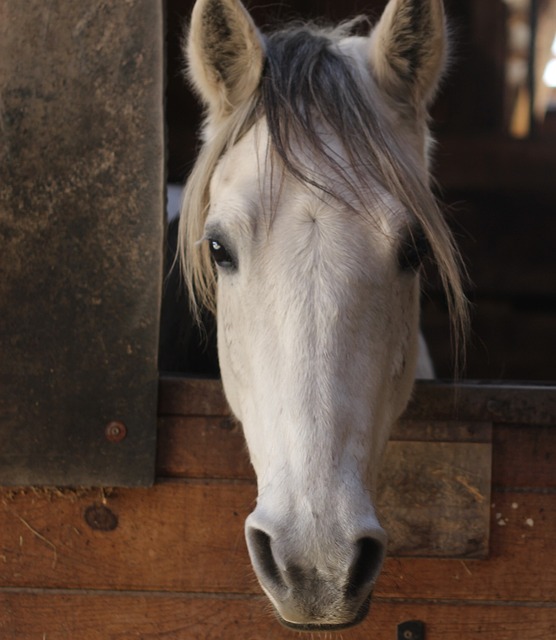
241	166
251	165
250	182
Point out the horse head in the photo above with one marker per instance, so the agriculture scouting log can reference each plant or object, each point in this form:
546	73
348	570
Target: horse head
305	222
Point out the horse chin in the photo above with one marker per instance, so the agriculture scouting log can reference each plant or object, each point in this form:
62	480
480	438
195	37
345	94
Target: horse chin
360	616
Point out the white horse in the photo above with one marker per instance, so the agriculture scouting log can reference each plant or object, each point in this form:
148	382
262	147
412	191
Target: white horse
304	224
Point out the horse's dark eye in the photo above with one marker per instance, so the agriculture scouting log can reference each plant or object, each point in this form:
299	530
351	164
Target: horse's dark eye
221	255
413	250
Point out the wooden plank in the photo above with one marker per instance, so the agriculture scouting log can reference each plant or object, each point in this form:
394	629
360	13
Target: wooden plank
427	486
513	403
202	447
183	396
116	616
520	565
427	490
177	537
214	446
524	458
433	430
188	537
422	495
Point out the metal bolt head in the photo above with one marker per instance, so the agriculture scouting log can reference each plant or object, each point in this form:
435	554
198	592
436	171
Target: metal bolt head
411	630
115	431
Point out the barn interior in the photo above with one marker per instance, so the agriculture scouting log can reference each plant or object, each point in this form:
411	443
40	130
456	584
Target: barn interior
494	166
123	490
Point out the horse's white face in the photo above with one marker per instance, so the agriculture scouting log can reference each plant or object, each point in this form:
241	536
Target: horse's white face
317	327
317	341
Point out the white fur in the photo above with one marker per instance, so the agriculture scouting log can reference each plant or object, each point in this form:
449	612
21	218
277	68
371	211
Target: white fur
317	341
318	328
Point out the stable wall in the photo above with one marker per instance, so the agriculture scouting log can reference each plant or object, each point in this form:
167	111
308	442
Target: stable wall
170	563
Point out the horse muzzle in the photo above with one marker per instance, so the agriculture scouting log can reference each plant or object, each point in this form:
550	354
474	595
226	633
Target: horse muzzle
316	587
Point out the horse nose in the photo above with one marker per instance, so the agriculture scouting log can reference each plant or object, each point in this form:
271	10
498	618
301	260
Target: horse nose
368	559
334	595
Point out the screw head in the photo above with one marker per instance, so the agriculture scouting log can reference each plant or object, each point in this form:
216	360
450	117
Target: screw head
115	431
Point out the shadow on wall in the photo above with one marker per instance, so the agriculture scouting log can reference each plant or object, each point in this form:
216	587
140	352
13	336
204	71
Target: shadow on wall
184	347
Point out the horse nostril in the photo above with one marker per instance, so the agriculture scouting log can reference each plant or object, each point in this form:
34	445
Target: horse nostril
260	547
366	566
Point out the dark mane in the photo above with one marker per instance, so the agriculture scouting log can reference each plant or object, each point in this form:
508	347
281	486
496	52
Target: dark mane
307	82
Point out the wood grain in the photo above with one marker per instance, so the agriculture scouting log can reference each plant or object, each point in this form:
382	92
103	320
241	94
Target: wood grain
520	566
184	396
515	403
524	457
170	562
214	446
116	616
188	537
177	536
427	490
202	447
435	474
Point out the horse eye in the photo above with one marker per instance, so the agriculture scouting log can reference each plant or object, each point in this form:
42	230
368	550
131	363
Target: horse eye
221	255
413	250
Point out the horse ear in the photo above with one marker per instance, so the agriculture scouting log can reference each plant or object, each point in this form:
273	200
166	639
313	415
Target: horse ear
225	54
408	50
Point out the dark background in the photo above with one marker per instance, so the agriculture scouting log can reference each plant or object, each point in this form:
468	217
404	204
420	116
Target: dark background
499	195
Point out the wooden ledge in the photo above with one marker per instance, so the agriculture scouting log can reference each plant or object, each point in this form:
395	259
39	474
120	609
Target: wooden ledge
509	403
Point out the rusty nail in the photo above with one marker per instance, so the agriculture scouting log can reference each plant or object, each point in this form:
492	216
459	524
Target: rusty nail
115	431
